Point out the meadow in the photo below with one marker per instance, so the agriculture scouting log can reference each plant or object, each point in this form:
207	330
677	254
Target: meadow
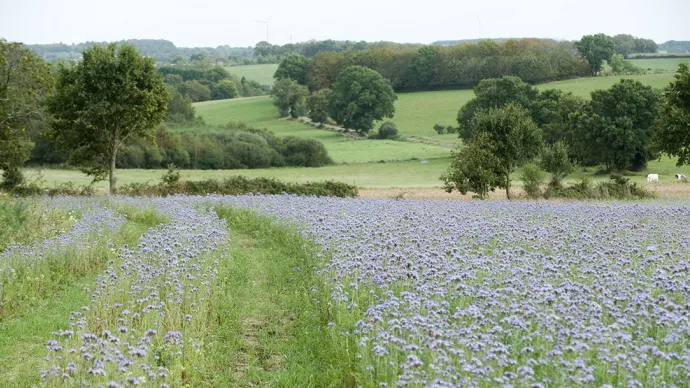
262	74
327	292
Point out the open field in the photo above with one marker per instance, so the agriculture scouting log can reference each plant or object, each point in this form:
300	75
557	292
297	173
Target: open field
665	64
415	113
262	74
298	291
406	175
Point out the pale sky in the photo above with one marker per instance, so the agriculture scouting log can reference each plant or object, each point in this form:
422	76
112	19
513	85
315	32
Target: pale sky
194	23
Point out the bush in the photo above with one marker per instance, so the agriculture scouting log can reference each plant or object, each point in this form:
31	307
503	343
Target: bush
618	187
11	178
440	129
304	152
532	177
388	130
238	185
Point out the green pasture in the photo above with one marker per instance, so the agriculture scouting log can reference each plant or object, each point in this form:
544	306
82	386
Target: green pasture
260	112
262	74
664	64
404	174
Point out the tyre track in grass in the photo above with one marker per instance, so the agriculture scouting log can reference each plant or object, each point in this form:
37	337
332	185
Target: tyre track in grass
271	328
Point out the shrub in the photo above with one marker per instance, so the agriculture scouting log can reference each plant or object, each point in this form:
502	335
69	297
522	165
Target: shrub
238	185
532	177
388	130
11	178
304	152
440	129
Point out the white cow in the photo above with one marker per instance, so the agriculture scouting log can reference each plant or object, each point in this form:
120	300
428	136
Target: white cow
681	177
653	178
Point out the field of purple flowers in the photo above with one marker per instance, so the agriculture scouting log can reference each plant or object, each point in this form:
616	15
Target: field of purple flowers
431	293
483	294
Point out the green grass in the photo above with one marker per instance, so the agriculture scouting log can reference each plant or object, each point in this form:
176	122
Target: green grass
49	292
260	112
584	86
262	74
271	326
22	221
665	64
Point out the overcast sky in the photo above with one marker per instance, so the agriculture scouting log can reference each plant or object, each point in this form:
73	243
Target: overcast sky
192	23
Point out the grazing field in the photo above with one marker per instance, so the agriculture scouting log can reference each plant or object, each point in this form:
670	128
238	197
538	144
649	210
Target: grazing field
415	113
262	74
665	64
304	291
260	112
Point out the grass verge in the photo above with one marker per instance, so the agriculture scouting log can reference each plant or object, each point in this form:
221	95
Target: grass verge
46	302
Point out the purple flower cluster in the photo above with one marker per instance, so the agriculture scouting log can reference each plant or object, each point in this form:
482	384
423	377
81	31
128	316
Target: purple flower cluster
144	309
504	293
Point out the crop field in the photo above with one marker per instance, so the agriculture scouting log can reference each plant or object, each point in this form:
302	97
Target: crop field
262	74
300	291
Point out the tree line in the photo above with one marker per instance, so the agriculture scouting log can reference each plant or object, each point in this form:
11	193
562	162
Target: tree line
509	123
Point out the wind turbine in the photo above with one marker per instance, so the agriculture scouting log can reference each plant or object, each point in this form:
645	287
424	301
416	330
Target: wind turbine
266	23
479	27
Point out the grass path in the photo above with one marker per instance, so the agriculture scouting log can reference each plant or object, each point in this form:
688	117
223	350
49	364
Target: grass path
271	328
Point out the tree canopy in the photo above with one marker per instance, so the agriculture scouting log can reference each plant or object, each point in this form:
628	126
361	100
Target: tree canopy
616	125
673	127
596	49
361	96
317	103
515	138
112	95
288	95
24	81
293	66
473	168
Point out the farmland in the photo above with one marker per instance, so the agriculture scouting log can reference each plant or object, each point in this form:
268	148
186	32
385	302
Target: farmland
262	74
208	292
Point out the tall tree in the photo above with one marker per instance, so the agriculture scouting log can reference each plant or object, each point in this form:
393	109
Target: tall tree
288	95
673	128
361	96
596	49
293	66
515	138
112	95
473	168
24	81
495	93
616	125
317	103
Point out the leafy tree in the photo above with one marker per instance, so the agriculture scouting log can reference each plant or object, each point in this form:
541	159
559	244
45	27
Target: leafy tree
112	95
624	44
225	89
616	125
317	103
596	49
196	91
622	66
287	95
473	168
555	160
361	96
180	109
551	112
24	81
673	128
422	68
293	66
495	93
513	134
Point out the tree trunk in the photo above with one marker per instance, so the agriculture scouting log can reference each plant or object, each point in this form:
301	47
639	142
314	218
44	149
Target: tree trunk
508	186
113	180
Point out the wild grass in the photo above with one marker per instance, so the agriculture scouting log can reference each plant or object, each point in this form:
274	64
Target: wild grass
38	295
273	327
23	220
